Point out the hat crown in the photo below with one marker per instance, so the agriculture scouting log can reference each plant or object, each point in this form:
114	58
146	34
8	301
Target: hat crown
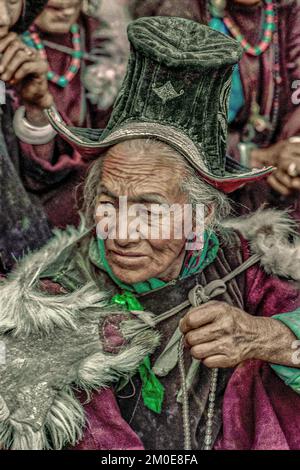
178	81
176	90
178	42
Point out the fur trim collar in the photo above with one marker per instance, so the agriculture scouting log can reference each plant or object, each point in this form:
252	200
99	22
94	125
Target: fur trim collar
271	234
52	344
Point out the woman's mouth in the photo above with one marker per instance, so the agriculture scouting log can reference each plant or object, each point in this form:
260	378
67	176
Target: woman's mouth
61	13
128	258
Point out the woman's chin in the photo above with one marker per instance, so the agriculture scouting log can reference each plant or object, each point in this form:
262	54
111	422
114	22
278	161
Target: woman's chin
130	276
57	27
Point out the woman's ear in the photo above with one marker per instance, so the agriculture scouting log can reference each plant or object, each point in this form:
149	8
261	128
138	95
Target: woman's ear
207	218
209	215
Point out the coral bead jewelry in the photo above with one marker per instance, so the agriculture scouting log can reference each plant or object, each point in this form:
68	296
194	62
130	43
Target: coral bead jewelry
32	39
268	30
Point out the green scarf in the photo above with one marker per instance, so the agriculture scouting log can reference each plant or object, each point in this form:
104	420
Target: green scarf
152	389
193	263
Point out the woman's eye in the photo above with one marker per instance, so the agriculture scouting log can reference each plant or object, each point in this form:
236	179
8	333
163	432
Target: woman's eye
144	213
105	208
107	203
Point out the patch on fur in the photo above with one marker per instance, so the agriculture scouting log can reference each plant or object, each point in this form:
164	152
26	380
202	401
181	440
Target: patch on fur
52	345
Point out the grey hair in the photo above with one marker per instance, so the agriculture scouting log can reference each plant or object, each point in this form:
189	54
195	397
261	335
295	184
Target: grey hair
197	190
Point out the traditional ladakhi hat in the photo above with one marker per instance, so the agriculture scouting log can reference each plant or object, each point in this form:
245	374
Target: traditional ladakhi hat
176	90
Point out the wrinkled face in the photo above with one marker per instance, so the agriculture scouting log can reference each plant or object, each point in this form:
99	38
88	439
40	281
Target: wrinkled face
10	12
59	15
139	254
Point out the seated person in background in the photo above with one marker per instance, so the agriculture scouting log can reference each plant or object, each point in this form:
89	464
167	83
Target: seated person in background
264	116
229	287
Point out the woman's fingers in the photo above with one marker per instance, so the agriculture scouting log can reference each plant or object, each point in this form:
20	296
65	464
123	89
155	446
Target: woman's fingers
284	179
37	68
23	67
19	58
14	54
201	335
202	351
292	160
5	42
16	48
278	186
296	183
199	316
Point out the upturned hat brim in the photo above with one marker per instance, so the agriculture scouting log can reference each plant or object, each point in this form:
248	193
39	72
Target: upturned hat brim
89	143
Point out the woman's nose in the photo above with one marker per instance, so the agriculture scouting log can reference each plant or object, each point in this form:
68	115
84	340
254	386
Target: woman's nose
68	11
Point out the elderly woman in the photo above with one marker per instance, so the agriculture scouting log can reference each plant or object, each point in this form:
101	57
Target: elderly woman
264	110
24	225
130	296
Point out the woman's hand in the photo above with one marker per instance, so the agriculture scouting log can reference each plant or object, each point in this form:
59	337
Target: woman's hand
285	155
224	336
286	179
23	68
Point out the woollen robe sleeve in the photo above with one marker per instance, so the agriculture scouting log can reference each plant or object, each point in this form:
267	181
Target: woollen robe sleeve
256	400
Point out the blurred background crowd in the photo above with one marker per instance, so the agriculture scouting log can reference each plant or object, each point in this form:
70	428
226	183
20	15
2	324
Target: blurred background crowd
81	47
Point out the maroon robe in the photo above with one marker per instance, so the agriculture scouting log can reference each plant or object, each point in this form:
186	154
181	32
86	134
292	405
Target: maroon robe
259	411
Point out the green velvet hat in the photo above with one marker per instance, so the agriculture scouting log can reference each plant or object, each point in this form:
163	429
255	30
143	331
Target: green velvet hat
176	90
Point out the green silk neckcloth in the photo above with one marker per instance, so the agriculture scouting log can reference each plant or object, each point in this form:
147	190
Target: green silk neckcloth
194	262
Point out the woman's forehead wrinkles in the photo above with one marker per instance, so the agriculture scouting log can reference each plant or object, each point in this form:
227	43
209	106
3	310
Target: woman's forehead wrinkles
140	162
134	177
143	171
145	182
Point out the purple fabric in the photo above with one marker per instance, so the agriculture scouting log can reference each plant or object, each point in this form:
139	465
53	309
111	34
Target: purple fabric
259	410
106	429
110	334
